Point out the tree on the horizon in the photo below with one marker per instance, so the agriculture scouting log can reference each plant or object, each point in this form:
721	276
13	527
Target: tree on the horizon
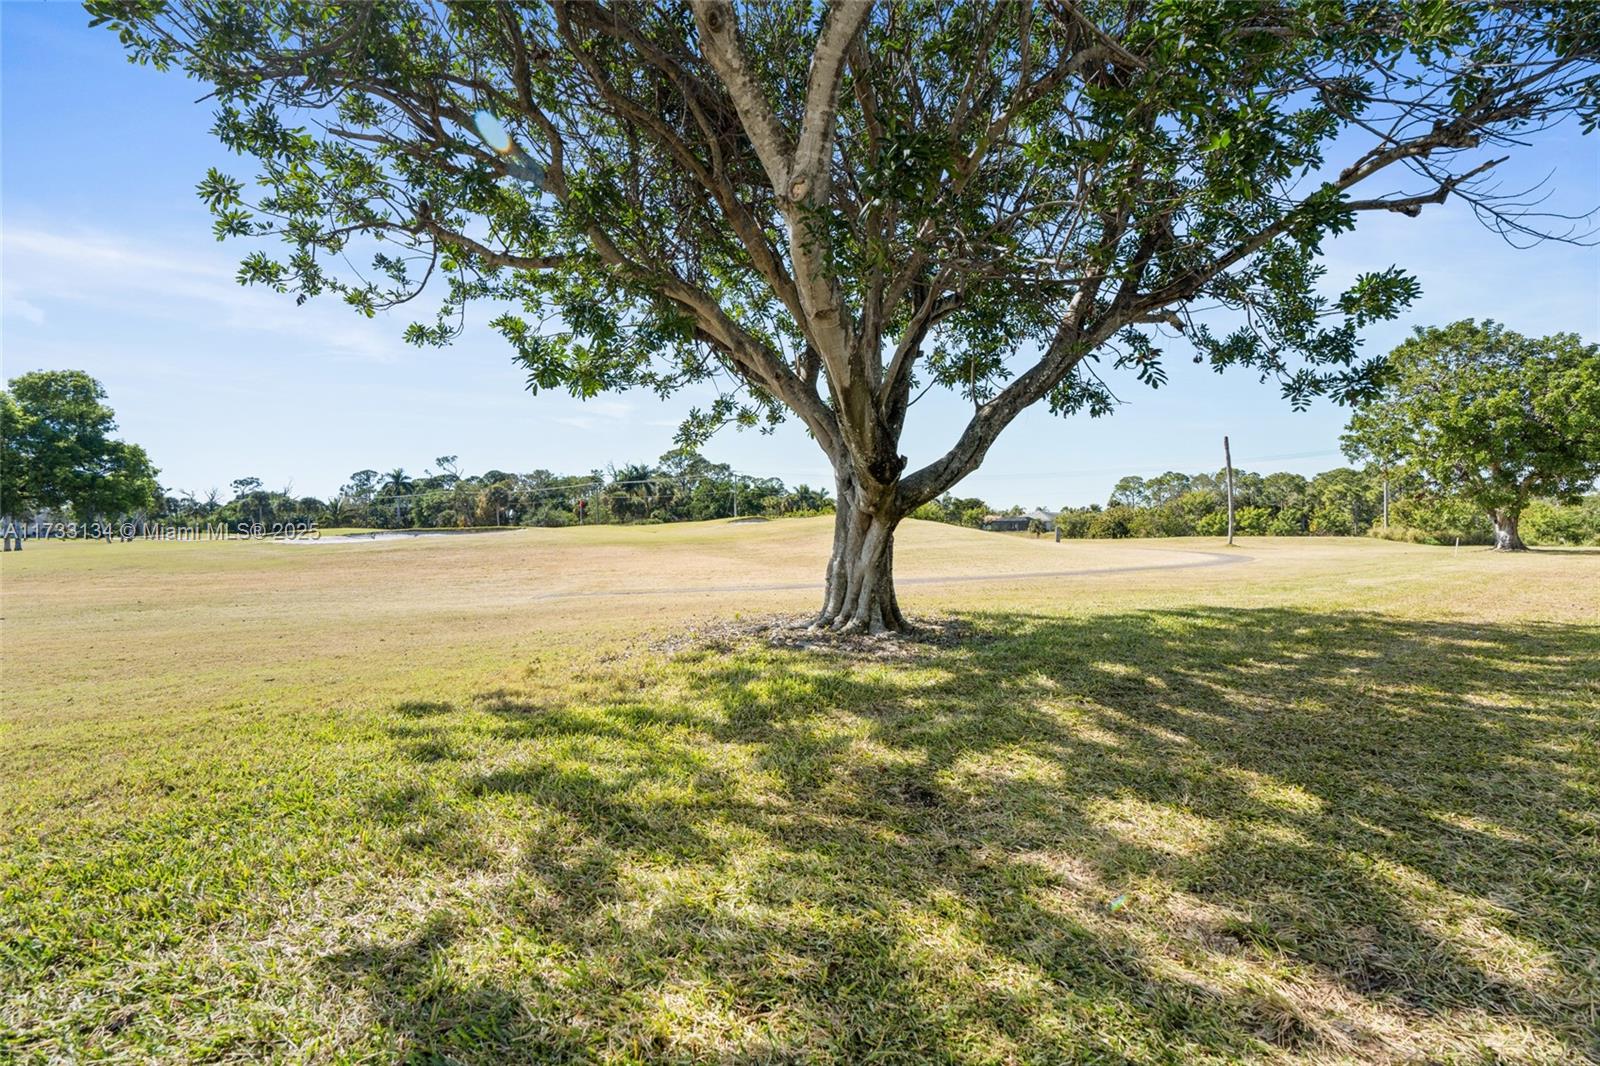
828	209
396	482
59	451
361	486
1490	416
15	494
449	470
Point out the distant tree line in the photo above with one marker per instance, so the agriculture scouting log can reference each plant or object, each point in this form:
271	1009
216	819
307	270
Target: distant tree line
681	486
60	460
1483	436
1341	502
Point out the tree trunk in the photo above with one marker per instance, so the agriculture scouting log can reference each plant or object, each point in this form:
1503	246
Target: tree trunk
1506	538
860	593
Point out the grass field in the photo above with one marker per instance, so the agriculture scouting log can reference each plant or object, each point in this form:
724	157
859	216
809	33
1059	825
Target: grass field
479	799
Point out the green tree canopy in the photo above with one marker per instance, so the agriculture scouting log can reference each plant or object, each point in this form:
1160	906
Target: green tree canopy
1488	415
60	453
829	208
14	491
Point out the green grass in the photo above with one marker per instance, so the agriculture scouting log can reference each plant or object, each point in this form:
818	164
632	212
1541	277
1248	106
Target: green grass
1339	804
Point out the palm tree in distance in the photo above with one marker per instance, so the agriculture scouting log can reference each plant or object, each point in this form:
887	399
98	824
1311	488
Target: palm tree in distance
630	490
395	482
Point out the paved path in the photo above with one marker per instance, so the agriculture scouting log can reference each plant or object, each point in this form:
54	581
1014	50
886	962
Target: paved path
1206	559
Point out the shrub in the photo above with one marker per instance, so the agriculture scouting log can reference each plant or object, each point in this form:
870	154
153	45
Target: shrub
1156	522
1253	520
1076	523
1113	522
1288	522
1549	522
1439	520
1334	520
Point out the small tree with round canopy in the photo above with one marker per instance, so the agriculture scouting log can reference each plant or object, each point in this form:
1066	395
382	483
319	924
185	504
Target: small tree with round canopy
1490	416
59	452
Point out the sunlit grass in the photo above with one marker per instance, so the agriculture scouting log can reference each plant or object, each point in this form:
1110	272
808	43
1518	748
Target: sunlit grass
1339	802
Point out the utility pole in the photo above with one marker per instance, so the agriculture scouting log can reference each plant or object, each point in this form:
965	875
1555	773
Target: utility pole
1227	458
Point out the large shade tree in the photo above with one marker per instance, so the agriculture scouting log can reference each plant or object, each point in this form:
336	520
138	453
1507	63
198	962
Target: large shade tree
60	452
832	207
1486	415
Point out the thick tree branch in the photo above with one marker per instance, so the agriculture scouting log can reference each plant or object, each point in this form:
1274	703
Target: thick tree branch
809	170
719	42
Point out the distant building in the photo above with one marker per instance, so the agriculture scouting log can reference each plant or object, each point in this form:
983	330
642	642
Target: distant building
1018	523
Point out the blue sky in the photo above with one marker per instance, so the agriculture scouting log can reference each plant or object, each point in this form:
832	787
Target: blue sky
109	266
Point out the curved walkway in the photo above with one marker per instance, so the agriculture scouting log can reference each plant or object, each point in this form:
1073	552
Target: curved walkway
1207	559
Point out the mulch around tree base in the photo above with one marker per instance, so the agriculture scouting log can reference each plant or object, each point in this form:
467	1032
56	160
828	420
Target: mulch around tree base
793	632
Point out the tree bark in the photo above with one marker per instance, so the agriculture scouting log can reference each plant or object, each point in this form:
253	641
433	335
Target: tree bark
1506	538
860	595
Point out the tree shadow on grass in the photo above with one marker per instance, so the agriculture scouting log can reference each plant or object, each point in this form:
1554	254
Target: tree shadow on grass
1152	836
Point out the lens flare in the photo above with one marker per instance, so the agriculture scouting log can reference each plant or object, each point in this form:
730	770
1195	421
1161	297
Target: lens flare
518	163
521	165
493	132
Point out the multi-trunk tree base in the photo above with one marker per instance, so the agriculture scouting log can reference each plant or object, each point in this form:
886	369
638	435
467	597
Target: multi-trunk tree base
1506	537
860	593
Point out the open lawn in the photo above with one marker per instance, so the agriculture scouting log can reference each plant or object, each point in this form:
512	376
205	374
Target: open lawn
478	799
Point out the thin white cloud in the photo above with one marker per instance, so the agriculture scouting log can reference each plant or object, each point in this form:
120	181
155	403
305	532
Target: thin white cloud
612	409
118	275
17	307
601	413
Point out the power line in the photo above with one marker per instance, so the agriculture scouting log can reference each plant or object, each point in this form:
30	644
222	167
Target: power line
1156	467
